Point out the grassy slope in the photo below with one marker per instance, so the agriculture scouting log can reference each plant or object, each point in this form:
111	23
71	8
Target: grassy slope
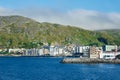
18	31
115	33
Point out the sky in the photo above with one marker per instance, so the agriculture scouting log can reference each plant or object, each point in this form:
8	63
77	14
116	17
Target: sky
87	14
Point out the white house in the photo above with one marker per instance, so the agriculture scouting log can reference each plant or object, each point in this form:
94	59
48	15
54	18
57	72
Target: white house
110	48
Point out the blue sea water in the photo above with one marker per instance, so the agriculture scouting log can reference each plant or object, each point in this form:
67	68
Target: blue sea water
43	68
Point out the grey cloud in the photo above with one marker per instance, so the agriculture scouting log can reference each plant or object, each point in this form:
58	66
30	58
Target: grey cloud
86	19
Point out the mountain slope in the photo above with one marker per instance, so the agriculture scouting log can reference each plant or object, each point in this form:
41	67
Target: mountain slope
112	32
18	31
115	33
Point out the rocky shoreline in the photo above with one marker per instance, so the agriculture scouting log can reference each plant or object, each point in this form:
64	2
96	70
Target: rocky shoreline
90	61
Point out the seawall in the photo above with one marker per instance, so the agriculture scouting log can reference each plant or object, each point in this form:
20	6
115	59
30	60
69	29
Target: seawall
89	60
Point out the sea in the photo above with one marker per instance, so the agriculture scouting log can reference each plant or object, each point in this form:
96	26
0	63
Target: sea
50	68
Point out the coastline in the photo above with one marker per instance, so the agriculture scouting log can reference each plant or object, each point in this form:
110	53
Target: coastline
28	56
89	61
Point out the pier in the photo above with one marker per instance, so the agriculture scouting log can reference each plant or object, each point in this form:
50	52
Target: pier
90	60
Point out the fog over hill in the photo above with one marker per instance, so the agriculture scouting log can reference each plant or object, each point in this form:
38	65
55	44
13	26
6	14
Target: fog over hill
82	18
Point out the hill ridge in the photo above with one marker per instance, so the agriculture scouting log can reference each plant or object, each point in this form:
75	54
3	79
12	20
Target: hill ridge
18	31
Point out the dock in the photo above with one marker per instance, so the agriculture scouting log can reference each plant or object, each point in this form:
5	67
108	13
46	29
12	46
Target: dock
90	60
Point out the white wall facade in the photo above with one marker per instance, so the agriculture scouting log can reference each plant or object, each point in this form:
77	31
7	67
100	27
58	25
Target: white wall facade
108	55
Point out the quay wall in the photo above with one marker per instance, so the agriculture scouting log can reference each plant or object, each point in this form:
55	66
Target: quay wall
89	60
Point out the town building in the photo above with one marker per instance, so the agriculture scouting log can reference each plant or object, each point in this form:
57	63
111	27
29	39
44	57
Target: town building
81	51
85	51
108	55
110	48
46	50
95	52
57	51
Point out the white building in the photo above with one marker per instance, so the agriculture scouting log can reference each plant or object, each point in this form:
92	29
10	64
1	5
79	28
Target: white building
80	49
60	50
54	50
108	55
51	50
40	52
77	49
110	48
16	50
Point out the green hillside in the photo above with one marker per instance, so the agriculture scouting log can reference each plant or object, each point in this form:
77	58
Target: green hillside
112	32
115	33
18	31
